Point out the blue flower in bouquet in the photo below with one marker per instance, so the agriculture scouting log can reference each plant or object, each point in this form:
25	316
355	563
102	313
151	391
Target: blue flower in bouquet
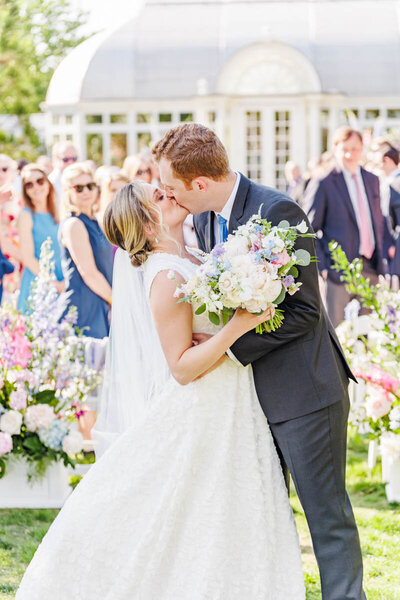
52	436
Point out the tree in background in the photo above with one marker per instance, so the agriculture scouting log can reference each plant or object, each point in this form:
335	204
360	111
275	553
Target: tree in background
35	35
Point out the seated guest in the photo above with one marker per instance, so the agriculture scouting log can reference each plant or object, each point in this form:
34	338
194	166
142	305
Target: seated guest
37	222
346	207
87	254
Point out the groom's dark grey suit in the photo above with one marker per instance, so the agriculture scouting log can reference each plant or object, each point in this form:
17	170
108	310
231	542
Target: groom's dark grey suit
301	377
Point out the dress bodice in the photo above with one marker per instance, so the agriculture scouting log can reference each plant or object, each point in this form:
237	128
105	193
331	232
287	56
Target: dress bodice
186	268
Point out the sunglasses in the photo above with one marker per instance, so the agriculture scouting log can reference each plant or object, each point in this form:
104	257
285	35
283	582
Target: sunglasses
4	169
69	159
143	172
29	184
79	187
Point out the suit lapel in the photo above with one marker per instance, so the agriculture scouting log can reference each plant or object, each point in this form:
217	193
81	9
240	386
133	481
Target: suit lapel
368	191
239	204
344	193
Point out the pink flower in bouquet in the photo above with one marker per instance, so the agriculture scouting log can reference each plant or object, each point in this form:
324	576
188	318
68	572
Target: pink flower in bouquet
39	416
22	352
282	258
18	399
6	444
378	403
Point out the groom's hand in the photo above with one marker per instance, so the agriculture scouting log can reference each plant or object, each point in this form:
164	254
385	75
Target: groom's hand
199	338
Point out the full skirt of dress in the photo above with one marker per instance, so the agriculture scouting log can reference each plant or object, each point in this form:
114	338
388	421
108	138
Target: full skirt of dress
188	504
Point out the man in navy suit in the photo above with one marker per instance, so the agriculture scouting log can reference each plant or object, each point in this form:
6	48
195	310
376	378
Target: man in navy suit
346	207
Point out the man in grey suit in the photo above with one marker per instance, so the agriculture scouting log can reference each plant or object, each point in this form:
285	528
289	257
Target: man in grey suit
300	373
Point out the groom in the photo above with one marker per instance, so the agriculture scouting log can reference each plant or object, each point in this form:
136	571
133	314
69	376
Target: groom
300	373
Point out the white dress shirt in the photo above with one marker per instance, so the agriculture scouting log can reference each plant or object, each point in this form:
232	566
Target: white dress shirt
351	186
227	210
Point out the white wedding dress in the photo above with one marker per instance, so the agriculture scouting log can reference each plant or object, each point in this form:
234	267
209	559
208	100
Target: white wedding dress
188	504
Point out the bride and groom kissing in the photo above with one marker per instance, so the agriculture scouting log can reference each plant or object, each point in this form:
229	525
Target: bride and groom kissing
189	500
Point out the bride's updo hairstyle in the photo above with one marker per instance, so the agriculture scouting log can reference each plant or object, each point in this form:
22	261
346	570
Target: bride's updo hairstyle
125	220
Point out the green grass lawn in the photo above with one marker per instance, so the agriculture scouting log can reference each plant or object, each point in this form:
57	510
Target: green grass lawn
378	522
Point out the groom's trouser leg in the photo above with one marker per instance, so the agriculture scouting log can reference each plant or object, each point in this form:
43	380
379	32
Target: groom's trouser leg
314	449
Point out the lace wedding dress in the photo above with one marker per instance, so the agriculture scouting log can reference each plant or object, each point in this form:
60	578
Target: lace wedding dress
188	504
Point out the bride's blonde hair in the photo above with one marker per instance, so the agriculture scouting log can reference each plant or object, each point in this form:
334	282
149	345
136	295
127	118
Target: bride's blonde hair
125	221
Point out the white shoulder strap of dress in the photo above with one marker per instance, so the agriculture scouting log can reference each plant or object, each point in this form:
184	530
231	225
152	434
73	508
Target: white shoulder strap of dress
165	262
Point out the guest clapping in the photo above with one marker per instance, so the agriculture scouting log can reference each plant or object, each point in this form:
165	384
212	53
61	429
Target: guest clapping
37	222
87	254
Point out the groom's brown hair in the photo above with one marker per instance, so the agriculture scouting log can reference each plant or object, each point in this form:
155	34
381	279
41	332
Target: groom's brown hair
194	151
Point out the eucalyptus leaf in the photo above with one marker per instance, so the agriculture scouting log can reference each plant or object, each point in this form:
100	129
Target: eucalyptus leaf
303	257
284	224
45	396
281	296
214	318
294	272
201	309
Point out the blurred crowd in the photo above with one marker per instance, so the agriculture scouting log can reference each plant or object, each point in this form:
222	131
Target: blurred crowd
351	194
64	198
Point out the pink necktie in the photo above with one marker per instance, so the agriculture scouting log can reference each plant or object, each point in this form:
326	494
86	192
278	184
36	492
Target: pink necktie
366	245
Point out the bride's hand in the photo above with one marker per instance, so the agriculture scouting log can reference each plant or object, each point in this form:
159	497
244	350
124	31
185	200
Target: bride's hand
246	321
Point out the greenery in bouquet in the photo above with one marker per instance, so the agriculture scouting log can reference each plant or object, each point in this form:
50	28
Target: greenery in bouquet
254	269
44	381
374	357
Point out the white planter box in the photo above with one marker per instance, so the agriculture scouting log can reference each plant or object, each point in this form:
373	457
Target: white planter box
49	492
392	465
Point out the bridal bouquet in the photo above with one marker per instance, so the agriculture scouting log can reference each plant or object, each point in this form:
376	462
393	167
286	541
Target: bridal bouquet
254	269
44	381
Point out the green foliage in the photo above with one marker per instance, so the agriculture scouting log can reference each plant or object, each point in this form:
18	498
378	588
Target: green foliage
34	37
351	274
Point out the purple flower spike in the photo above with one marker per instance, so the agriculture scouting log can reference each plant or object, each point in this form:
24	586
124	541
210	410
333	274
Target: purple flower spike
288	281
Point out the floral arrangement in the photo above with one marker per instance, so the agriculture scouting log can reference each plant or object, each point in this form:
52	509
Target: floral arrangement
374	352
254	269
44	381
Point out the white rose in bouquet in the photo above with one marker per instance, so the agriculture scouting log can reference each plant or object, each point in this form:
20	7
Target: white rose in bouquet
378	403
72	443
10	422
38	416
236	246
271	290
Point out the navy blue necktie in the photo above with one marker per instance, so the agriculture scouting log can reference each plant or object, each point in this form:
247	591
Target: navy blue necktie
223	228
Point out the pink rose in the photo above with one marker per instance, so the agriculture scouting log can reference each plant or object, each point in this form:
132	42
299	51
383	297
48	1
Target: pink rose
282	258
6	444
378	403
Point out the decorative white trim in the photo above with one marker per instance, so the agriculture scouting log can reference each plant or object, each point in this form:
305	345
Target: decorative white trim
268	68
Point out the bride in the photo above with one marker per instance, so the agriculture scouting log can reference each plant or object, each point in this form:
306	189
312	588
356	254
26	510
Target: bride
188	502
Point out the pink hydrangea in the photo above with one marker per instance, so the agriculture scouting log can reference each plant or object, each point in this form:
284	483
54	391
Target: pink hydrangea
282	258
6	444
18	399
38	416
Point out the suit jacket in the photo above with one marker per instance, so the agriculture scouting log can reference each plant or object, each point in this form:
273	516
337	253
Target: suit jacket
332	216
394	215
300	368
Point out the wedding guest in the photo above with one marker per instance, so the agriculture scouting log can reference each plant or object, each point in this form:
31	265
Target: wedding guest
346	208
87	255
10	207
137	168
64	154
387	163
112	183
45	163
37	222
6	267
295	183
